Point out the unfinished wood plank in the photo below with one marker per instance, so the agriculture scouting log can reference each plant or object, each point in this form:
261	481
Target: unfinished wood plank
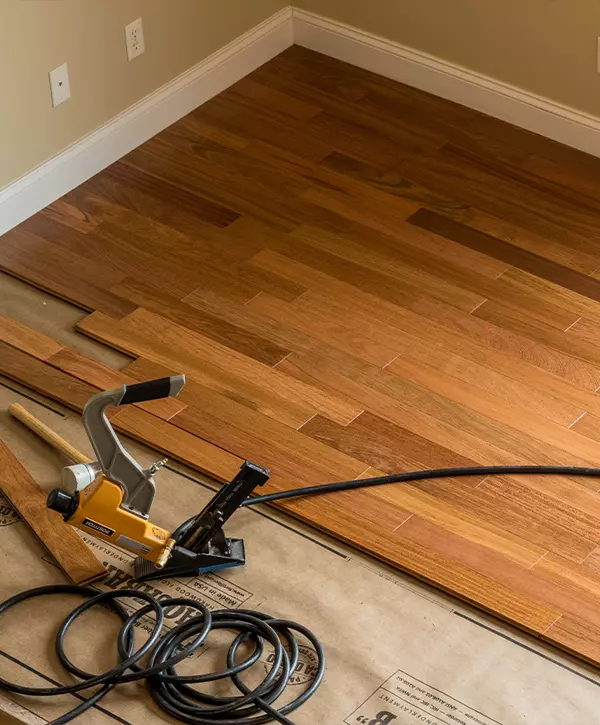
61	540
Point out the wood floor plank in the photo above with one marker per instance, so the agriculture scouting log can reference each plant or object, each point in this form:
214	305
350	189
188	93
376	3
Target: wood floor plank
233	113
321	254
194	394
287	453
579	254
531	614
509	388
406	266
495	407
514	256
585	329
160	190
69	215
357	278
61	273
577	636
169	307
440	324
391	403
588	426
479	558
384	445
212	364
516	281
35	374
326	328
177	443
63	543
435	342
453	174
390	182
23	338
518	321
440	277
104	378
516	341
515	508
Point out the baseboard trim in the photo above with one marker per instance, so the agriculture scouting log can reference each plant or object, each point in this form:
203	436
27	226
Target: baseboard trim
168	104
145	119
392	60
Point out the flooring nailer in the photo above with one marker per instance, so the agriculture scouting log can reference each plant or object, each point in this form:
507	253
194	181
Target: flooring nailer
112	496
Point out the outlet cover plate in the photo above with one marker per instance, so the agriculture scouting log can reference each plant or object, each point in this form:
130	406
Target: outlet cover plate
134	39
59	85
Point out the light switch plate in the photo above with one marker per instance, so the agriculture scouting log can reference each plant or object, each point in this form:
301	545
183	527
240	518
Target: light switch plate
59	85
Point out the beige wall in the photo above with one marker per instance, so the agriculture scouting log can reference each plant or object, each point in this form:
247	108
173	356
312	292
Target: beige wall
545	46
38	35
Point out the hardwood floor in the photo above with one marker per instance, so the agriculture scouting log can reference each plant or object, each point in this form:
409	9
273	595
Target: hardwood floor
357	278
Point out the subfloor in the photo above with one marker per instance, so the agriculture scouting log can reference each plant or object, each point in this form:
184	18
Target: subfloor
465	664
361	278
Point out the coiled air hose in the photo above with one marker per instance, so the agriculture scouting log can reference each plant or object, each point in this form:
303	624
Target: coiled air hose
172	692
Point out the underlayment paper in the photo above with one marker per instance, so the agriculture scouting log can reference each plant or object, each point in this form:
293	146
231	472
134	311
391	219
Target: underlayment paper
397	651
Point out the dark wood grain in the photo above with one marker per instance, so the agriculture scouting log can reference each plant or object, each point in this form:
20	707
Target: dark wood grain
515	256
160	190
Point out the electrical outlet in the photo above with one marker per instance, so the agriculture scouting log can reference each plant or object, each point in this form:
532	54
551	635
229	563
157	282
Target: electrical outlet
134	38
59	85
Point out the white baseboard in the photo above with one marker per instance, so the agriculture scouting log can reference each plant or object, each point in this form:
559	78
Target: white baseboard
392	60
87	157
137	124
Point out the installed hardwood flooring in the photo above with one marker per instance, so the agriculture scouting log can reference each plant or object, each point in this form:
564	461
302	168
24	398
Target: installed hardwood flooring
357	278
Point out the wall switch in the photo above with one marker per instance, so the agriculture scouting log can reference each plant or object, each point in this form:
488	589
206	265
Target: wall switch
59	85
134	38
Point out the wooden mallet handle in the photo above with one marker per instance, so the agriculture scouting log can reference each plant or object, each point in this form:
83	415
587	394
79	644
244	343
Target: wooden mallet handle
47	434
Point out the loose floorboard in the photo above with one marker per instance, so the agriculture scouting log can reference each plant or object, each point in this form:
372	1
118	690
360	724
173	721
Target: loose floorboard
357	278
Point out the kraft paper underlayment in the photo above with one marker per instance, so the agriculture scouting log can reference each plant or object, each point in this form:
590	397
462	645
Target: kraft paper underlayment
397	651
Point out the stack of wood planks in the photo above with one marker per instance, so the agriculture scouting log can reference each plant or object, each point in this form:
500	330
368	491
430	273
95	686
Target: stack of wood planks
356	278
